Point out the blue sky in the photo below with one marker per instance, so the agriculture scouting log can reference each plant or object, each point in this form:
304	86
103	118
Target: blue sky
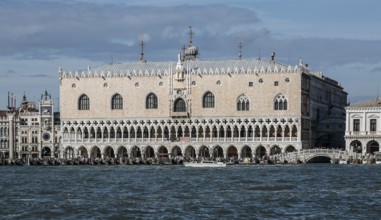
340	38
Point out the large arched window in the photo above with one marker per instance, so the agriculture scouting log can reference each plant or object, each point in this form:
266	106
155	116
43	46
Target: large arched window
280	102
179	105
151	101
117	102
243	103
208	100
83	102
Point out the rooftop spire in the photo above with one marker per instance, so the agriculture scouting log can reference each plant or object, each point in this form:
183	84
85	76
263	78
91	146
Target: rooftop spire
240	50
191	33
142	60
191	52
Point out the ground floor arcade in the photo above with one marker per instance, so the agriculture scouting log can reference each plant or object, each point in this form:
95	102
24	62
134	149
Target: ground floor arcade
196	151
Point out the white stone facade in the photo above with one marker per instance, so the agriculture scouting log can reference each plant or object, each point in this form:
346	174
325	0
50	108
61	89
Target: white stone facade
363	127
231	108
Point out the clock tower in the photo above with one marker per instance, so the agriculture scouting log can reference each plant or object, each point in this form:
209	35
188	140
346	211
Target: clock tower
47	133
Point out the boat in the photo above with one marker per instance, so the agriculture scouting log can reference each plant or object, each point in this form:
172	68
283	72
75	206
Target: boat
377	157
205	164
343	161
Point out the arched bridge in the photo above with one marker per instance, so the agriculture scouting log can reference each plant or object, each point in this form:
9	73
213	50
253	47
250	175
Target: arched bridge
317	155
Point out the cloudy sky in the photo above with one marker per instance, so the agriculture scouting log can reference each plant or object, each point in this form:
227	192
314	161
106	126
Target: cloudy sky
340	38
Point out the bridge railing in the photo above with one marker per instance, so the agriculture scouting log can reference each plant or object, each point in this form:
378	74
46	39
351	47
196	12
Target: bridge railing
302	155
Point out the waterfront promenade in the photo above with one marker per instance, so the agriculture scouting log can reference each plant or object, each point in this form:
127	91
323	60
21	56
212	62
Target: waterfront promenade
319	155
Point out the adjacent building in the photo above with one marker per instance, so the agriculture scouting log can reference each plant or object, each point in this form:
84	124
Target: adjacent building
363	127
30	130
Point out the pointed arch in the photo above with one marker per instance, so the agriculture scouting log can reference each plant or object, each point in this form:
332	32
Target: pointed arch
218	152
235	131
214	132
159	132
208	100
116	101
135	152
275	150
260	152
246	153
125	132
243	103
139	132
279	131
204	152
186	132
122	152
82	151
118	132
242	131
280	102
176	151
149	152
222	132
193	132
151	101
109	152
83	102
179	105
200	132
290	149
228	131
257	131
162	151
207	132
294	132
92	132
232	152
95	153
190	152
132	132
105	132
112	132
272	131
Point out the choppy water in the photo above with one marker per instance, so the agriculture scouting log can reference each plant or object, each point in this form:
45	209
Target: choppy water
316	191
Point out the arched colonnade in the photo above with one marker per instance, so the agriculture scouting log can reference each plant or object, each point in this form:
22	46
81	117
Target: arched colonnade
186	130
187	151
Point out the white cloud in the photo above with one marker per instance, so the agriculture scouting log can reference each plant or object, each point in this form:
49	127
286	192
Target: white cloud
127	42
144	37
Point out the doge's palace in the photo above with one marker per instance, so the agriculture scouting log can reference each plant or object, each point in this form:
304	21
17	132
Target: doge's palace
192	108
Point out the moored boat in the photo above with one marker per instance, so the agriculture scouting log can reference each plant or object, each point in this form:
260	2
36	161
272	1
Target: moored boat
377	157
205	164
343	161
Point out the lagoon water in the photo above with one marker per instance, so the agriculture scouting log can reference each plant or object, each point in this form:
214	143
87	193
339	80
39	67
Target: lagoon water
310	191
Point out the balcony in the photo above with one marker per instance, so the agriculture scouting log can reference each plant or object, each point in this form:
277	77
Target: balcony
179	114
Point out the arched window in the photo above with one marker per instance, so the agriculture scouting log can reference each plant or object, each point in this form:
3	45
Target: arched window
208	100
83	102
151	101
280	102
243	103
117	102
179	105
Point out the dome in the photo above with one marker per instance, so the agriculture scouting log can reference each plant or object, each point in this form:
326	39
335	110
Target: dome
192	50
191	53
